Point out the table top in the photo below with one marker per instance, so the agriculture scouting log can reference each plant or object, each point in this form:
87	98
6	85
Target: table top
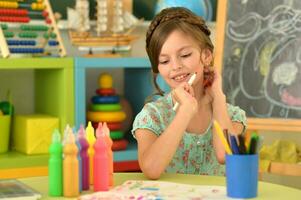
265	190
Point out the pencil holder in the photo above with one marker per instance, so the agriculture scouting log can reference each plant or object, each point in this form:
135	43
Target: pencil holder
242	175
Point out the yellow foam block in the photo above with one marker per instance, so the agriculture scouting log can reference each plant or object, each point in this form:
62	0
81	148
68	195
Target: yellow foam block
117	116
32	133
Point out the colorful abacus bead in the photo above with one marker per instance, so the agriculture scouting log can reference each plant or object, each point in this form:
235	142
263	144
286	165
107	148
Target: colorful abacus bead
28	34
34	27
14	19
8	4
26	50
14	12
21	42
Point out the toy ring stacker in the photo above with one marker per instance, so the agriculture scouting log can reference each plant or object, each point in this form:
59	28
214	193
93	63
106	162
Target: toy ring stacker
105	99
106	116
119	144
106	107
106	91
113	126
116	135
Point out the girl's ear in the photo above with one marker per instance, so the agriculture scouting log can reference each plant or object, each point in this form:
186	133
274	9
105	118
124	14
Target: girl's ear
207	57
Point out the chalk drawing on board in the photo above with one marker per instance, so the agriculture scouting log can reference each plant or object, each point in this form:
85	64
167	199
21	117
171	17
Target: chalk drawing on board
263	68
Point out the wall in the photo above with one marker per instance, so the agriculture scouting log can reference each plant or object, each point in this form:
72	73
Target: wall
21	85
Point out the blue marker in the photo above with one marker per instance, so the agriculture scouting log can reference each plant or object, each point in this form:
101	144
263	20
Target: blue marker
234	145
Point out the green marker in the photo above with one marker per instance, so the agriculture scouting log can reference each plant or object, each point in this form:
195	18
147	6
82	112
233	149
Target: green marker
253	144
55	166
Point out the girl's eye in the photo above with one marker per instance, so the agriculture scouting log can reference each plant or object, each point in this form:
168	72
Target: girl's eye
163	62
186	55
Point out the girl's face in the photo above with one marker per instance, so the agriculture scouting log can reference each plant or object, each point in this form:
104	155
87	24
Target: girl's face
180	58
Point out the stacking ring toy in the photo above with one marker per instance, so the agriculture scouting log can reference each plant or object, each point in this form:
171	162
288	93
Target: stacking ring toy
106	91
113	126
106	116
95	125
105	99
116	135
105	81
105	107
119	145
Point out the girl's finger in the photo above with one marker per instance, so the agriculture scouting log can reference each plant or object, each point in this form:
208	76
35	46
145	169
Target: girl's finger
191	91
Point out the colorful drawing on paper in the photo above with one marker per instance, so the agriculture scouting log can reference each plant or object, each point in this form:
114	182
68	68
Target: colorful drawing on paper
159	190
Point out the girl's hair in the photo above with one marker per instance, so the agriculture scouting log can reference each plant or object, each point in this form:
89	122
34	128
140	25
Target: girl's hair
165	22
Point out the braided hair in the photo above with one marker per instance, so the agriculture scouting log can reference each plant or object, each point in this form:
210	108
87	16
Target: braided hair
168	20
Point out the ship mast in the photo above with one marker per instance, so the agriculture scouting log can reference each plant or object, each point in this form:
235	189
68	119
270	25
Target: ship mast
82	8
117	22
101	17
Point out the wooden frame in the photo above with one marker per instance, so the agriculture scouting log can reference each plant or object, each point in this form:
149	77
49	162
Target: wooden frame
55	28
3	45
259	124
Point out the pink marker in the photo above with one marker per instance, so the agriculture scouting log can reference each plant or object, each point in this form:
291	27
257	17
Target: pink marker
109	142
101	162
84	157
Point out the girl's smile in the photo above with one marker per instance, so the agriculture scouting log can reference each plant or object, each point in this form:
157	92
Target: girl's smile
183	77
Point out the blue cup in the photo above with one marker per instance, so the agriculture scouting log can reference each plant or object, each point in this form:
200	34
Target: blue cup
242	175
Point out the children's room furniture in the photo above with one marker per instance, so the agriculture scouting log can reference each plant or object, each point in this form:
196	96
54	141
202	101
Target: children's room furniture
137	86
53	95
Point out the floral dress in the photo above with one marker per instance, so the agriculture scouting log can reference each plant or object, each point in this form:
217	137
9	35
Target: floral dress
195	154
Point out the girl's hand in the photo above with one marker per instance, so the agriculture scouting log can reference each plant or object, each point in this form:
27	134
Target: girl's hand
215	91
184	95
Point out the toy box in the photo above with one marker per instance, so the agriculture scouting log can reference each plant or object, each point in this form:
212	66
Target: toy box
32	133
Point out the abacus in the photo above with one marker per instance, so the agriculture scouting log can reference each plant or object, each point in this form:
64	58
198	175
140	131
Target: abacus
23	32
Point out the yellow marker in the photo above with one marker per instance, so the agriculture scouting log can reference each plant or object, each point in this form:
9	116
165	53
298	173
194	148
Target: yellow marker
222	137
91	140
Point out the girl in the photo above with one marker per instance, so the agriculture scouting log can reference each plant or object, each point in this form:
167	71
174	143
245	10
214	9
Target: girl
182	141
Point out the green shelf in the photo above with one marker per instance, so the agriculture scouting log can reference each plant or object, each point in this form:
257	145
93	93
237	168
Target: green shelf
53	94
14	159
53	85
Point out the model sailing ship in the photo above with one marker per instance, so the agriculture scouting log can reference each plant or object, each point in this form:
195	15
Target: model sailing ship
112	29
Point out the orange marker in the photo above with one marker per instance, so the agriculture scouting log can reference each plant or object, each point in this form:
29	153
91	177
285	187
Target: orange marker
70	167
109	142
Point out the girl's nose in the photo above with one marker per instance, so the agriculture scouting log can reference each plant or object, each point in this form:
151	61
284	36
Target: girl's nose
176	64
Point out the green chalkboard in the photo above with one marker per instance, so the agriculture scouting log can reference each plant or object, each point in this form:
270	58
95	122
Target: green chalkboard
261	60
